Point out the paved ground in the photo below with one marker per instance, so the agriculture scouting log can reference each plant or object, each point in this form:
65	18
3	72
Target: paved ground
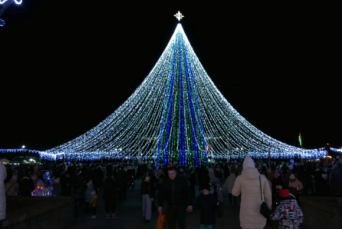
129	215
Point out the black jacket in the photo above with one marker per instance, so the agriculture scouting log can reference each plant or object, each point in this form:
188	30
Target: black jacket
176	192
208	206
78	190
147	188
110	189
26	186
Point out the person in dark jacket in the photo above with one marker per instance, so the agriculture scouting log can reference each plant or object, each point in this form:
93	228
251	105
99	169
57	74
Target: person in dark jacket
226	171
336	178
78	191
147	192
109	169
192	180
203	177
131	176
122	179
208	205
110	193
66	184
322	185
176	192
308	178
97	177
26	185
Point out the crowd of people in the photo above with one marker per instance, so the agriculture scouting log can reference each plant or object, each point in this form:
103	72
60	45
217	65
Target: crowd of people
172	190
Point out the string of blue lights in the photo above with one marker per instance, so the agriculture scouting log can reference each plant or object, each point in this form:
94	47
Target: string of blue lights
173	117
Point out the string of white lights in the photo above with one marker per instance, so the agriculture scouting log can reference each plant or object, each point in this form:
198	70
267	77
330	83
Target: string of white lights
136	128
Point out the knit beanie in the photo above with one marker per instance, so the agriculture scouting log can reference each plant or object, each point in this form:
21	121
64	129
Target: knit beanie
284	193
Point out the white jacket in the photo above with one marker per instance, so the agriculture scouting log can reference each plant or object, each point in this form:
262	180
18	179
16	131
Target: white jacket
248	185
3	175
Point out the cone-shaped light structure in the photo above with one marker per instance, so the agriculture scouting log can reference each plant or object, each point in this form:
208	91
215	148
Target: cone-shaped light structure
176	115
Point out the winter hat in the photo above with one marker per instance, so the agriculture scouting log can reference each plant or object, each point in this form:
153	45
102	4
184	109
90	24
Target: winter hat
248	163
292	176
284	193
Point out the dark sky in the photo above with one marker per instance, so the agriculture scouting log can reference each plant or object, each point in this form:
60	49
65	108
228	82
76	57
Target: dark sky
67	65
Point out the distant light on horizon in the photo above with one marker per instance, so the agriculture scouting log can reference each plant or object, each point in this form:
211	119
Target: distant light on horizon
23	146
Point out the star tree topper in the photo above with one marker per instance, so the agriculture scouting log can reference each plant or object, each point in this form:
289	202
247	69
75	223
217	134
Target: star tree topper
179	16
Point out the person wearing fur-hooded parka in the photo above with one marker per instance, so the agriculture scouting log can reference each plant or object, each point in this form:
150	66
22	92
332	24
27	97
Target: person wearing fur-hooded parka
3	175
248	185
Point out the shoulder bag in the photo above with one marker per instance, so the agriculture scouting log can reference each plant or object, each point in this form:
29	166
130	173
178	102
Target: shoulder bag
9	188
264	210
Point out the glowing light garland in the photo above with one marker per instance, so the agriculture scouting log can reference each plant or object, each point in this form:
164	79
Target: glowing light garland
18	2
5	7
336	150
42	154
173	115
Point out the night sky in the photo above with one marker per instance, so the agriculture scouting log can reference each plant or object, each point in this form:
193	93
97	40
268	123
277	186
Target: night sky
67	65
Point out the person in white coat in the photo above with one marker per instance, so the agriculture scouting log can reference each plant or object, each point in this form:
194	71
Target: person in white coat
248	185
3	175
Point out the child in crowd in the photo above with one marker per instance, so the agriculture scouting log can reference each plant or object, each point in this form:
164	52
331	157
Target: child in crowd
288	213
93	204
208	204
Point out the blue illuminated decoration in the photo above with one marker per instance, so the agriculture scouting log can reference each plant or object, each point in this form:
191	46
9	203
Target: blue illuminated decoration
18	2
178	96
336	150
182	124
42	154
5	4
46	177
172	116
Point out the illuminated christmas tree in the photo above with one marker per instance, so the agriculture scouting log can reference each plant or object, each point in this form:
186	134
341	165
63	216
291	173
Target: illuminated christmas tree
176	115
